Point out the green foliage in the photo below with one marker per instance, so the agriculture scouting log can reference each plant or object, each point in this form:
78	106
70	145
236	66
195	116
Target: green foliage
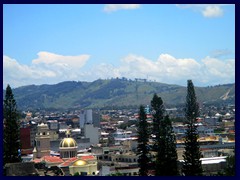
192	107
11	137
116	174
164	141
114	92
158	113
76	174
143	138
191	155
219	130
167	153
230	167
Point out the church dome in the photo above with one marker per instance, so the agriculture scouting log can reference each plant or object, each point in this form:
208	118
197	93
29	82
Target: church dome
79	163
68	143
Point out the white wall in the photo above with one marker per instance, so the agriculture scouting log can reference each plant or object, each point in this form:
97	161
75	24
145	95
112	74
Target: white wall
92	133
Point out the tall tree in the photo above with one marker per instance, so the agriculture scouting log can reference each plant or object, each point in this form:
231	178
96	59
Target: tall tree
158	114
192	165
143	138
167	154
164	140
11	139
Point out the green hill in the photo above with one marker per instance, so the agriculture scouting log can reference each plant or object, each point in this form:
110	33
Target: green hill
114	92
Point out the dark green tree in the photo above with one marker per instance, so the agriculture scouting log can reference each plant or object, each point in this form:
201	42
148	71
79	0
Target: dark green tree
143	138
158	114
11	137
192	164
167	155
164	140
230	166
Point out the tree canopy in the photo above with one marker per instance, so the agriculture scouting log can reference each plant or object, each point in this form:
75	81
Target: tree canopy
11	137
192	165
143	139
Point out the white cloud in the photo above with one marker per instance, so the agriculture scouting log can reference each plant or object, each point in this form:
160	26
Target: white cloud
212	11
116	7
47	68
50	68
48	58
166	69
219	71
207	10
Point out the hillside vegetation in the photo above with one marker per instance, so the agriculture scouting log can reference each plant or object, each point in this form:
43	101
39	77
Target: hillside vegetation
114	92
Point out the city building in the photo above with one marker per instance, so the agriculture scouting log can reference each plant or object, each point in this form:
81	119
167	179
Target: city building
69	161
42	147
92	133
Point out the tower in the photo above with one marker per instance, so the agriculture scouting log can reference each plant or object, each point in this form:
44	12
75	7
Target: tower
42	141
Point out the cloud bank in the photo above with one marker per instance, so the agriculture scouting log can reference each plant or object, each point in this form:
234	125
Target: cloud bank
50	68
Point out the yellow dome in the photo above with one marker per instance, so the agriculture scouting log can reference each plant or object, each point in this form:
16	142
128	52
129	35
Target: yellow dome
68	142
79	163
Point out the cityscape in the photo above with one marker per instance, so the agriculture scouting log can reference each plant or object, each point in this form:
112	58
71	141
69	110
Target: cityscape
103	142
97	102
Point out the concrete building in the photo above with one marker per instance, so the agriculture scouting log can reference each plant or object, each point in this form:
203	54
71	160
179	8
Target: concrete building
42	147
86	117
96	118
89	117
92	133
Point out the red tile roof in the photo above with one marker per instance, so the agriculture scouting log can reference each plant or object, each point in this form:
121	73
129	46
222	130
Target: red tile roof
87	157
52	159
68	162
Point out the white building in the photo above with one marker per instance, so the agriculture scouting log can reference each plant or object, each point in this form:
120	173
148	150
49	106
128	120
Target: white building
92	133
86	117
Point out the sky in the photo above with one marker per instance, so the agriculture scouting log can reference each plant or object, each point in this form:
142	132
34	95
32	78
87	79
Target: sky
167	43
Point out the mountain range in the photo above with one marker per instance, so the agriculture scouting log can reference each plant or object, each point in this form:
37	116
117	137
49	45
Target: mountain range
113	92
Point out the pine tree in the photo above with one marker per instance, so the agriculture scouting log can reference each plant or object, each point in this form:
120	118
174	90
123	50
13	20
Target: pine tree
164	140
143	138
191	155
11	139
167	164
158	114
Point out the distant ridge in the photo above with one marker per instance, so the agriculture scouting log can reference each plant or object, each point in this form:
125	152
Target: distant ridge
113	92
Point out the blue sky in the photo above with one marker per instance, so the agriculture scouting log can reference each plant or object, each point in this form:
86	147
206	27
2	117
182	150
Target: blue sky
47	44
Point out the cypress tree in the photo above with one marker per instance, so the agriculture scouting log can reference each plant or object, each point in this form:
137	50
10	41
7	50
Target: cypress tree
191	155
143	138
11	137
